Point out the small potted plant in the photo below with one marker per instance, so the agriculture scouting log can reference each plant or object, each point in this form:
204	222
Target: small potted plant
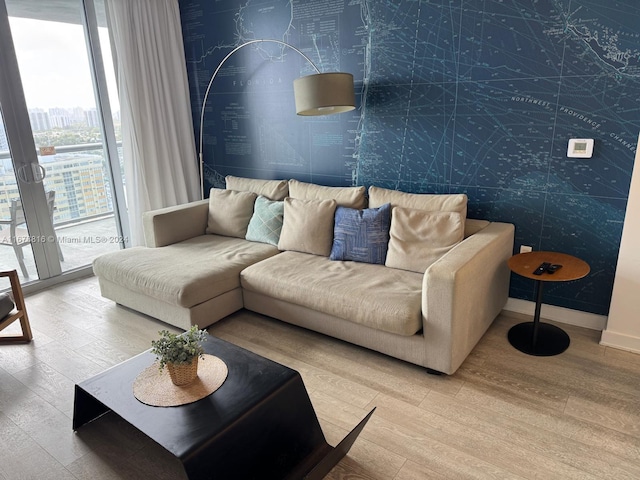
180	353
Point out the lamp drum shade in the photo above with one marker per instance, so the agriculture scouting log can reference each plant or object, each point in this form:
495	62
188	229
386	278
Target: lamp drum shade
324	94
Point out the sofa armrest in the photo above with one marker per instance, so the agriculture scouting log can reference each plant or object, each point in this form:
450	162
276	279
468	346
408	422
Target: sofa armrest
463	292
175	224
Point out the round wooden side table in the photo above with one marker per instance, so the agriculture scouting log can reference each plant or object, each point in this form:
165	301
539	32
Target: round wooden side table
536	337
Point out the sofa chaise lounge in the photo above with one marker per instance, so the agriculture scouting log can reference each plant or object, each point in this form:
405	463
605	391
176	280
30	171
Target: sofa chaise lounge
410	276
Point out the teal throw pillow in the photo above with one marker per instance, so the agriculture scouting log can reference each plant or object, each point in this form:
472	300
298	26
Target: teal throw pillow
361	235
266	222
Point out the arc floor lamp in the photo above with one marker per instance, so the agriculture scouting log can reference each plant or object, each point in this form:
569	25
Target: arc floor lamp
315	94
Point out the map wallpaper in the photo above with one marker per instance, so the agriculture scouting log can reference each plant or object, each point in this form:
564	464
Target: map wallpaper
454	96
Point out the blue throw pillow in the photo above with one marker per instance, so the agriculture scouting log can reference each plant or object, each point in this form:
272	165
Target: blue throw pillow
265	225
361	235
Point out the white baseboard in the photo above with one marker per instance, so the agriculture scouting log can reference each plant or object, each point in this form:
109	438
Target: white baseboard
559	314
621	341
577	318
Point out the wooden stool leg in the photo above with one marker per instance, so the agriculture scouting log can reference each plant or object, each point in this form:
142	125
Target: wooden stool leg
19	314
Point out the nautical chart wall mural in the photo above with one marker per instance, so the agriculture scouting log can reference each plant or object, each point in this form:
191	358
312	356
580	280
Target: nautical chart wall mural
453	96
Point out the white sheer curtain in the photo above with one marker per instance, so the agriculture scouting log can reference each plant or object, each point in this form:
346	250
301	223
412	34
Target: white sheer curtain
157	129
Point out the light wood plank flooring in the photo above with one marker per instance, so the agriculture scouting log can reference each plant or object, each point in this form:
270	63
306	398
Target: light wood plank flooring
502	415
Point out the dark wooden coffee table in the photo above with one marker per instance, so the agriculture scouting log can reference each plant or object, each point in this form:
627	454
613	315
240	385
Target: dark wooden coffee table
259	424
536	337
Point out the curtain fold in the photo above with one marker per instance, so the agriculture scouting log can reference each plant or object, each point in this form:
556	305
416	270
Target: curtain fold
160	163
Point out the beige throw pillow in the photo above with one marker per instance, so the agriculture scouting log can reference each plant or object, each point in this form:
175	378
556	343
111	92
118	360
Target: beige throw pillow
421	201
419	238
308	226
230	212
351	197
272	189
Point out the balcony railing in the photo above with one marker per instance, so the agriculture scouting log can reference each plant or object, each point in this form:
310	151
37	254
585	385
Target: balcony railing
83	147
83	221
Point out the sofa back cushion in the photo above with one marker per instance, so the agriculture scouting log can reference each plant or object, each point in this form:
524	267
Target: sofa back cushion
265	225
307	226
272	189
473	226
230	212
419	238
351	197
420	201
361	235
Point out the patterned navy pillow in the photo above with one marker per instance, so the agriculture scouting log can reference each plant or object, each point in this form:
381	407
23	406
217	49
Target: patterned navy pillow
361	235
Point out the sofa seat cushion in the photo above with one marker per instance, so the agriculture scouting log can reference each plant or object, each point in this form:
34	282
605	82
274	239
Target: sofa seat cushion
373	295
185	273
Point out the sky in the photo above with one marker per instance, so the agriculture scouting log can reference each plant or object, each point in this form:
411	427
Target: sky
54	64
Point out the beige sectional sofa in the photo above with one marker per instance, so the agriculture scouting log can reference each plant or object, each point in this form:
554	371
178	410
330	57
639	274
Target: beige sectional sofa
277	248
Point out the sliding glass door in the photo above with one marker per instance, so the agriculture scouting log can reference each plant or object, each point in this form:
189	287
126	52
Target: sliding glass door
16	238
64	171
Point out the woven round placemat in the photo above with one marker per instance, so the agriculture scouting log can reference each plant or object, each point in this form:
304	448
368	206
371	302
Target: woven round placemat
155	388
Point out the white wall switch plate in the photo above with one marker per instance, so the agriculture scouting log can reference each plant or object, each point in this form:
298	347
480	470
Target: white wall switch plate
580	148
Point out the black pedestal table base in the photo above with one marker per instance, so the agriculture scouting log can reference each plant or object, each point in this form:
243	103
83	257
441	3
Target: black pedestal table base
538	338
551	340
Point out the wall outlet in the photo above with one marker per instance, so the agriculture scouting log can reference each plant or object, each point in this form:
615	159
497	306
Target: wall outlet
525	248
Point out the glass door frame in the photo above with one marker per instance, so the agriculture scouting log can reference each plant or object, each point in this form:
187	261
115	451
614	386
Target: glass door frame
98	74
24	155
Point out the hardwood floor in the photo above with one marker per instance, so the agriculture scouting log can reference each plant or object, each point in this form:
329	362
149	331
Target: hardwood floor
502	415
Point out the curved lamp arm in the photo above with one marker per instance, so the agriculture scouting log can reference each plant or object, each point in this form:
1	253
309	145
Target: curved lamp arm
318	94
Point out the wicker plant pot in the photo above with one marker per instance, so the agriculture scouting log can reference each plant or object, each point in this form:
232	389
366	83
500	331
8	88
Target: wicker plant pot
183	373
